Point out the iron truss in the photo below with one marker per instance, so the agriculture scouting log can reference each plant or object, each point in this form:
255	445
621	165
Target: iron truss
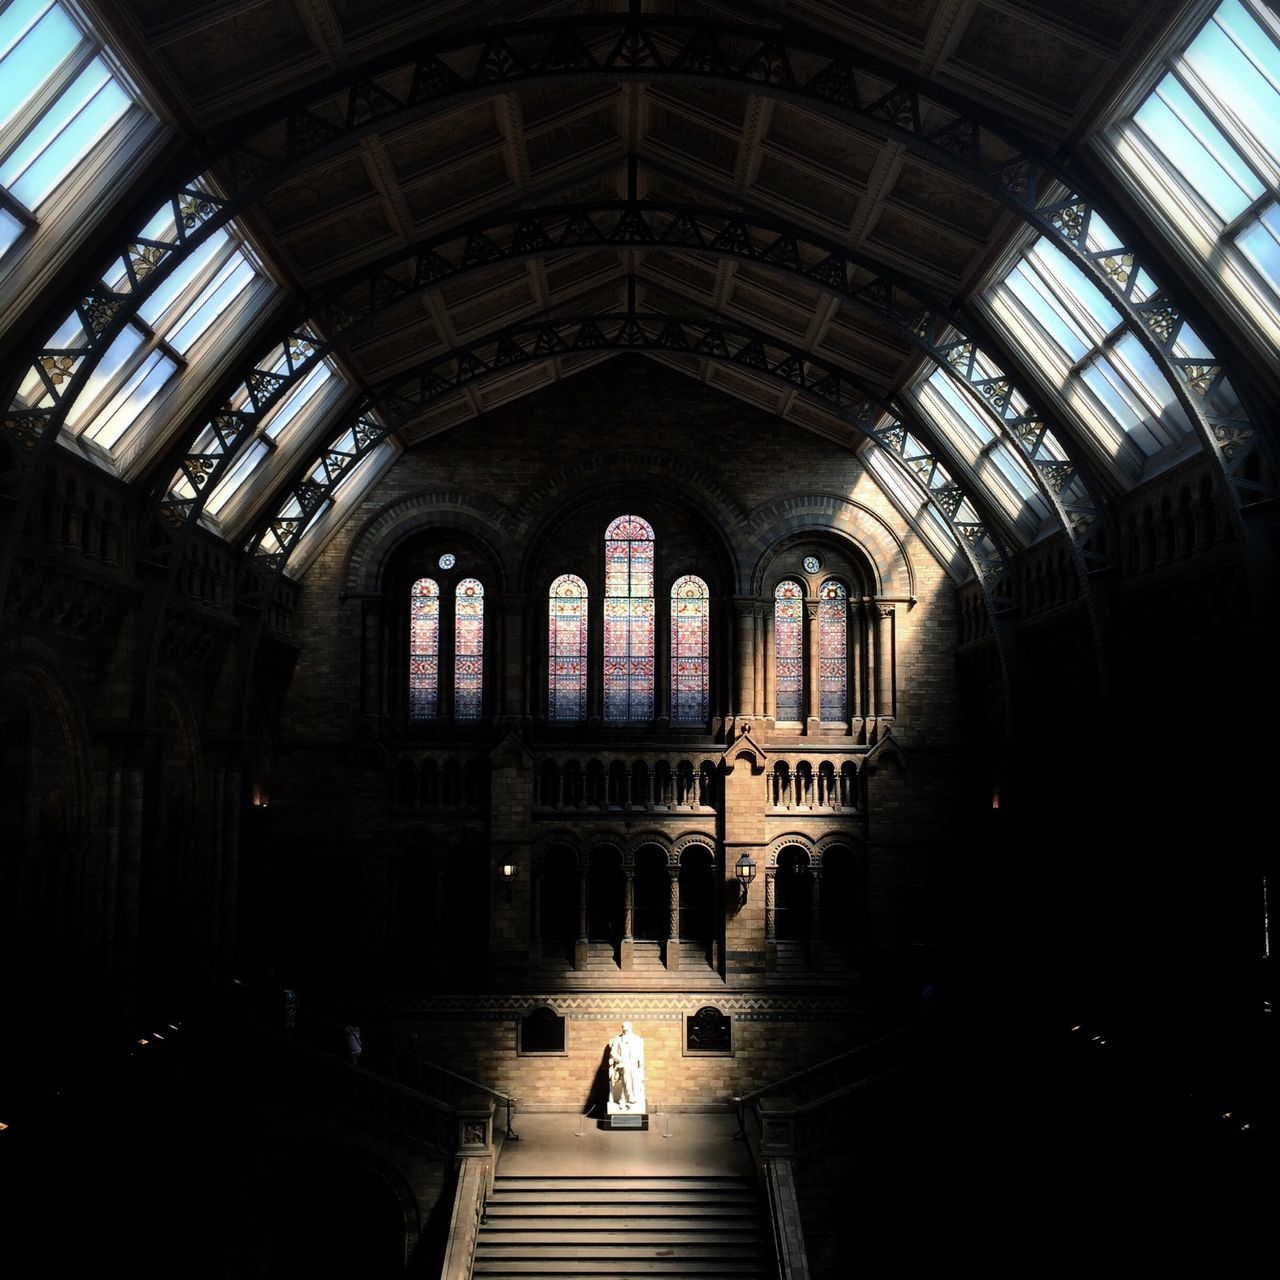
840	393
266	148
354	301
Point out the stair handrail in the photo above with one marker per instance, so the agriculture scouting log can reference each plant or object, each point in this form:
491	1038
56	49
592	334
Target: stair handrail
740	1100
508	1100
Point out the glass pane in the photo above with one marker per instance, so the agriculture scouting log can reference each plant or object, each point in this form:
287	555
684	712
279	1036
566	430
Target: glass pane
33	59
567	649
690	613
788	651
68	133
1196	148
1230	67
213	301
468	650
125	406
10	229
628	620
113	360
1260	243
241	470
424	649
155	306
833	653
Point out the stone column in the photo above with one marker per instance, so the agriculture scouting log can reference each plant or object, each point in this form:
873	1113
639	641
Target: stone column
745	618
535	909
856	707
884	661
580	946
626	947
870	657
673	926
517	663
812	691
770	919
757	649
769	703
815	917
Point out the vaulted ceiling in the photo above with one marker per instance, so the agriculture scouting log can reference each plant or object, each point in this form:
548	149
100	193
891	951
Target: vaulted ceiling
592	140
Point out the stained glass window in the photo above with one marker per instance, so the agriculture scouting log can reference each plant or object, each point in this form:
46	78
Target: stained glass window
690	610
833	652
567	649
788	650
628	620
424	649
468	650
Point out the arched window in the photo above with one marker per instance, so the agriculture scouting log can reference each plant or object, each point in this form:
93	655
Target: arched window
690	614
567	649
628	620
424	649
788	649
468	650
833	650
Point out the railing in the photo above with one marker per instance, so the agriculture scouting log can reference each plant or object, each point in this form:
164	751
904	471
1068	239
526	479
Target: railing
336	1087
474	1086
798	784
824	1078
654	783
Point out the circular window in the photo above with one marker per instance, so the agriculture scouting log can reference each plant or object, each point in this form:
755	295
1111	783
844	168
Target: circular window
811	564
448	560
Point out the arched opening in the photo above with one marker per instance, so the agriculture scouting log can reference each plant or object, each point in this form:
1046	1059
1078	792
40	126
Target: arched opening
652	894
793	896
605	896
698	896
559	902
842	907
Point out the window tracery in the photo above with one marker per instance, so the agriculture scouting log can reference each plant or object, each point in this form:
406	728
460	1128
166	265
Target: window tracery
424	649
788	623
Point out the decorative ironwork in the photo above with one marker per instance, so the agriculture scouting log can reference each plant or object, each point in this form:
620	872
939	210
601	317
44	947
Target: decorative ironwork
258	153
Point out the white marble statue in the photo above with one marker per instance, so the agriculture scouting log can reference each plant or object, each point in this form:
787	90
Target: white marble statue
626	1073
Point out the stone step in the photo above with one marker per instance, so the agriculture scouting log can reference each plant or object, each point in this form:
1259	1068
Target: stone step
616	1226
600	1212
594	1236
726	1269
674	1181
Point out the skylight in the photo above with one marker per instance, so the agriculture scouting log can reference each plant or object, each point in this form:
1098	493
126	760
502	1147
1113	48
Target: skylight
59	101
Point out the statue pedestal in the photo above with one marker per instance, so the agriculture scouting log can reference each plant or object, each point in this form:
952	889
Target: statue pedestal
627	1120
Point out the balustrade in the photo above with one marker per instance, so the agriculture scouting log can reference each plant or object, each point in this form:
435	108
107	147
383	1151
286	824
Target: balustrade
649	784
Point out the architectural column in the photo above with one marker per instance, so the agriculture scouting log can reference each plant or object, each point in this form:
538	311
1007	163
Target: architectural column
535	908
595	660
884	661
812	690
769	704
581	946
770	918
517	660
373	699
673	925
627	946
815	917
662	662
870	655
745	619
854	647
757	649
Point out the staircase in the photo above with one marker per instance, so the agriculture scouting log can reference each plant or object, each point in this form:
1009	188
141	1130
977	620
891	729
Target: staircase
623	1226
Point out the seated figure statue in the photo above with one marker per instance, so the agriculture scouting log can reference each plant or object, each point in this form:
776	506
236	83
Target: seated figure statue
626	1072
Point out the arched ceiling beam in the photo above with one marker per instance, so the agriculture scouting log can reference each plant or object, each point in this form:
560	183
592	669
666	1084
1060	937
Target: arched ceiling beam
407	396
262	150
357	299
404	398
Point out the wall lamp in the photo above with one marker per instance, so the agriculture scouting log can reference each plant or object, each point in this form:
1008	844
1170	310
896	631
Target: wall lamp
745	870
509	870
